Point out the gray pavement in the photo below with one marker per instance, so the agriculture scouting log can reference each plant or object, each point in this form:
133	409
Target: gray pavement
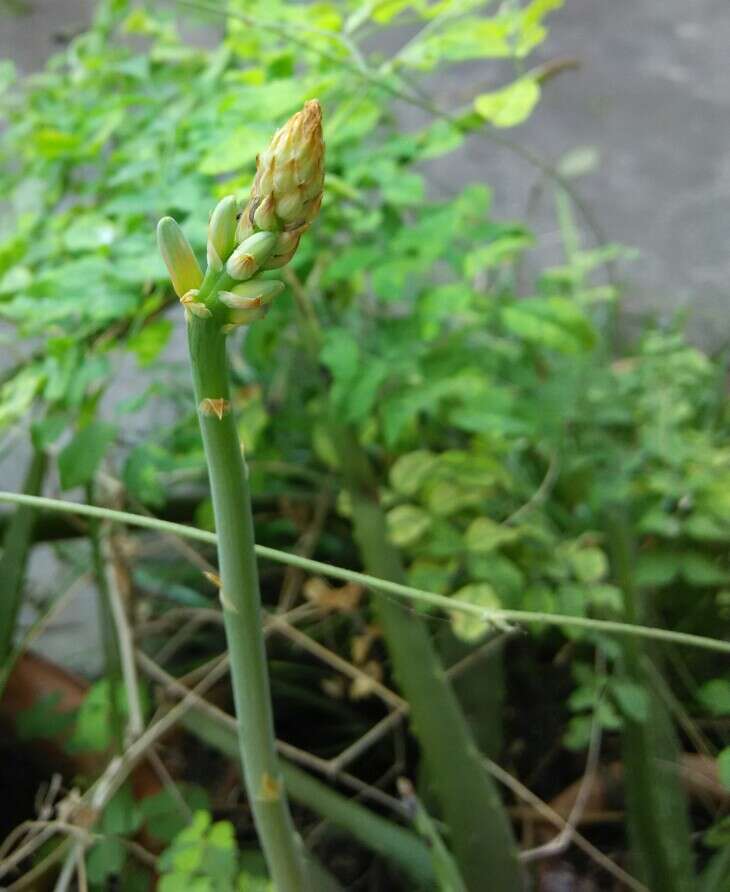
653	96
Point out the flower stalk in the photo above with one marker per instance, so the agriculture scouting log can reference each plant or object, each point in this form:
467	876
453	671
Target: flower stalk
232	294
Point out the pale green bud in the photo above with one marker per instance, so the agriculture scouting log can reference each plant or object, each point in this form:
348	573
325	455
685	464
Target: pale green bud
246	317
243	317
244	228
251	294
185	272
264	217
250	255
286	246
222	232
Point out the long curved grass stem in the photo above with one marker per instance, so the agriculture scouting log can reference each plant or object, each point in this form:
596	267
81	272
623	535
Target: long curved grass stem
387	586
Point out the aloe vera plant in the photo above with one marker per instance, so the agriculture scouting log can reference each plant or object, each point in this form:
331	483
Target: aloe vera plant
285	198
481	834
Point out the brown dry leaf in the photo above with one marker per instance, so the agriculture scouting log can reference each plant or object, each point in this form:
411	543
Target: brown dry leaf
362	686
344	598
212	577
360	644
299	513
623	366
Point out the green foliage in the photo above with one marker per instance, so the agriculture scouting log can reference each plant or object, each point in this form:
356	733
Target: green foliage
107	857
204	857
163	814
93	730
80	458
445	868
511	32
511	105
715	696
16	552
481	594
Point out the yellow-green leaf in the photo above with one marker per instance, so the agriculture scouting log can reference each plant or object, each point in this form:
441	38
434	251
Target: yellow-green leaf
484	534
465	625
588	564
406	524
511	105
411	470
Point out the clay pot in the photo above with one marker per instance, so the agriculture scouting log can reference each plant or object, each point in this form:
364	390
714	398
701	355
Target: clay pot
28	764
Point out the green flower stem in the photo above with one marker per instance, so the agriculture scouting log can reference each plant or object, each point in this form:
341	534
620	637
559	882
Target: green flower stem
387	586
241	602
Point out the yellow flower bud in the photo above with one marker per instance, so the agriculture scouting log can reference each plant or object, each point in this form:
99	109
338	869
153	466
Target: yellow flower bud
287	191
185	272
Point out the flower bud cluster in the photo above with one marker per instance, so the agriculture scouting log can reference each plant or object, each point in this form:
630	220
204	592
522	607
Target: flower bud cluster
285	198
287	191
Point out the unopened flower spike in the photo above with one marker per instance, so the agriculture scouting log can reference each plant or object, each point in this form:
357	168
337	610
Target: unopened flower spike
249	301
285	198
185	272
244	317
287	190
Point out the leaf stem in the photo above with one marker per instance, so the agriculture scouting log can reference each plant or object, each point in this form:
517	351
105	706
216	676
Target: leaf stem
107	630
480	832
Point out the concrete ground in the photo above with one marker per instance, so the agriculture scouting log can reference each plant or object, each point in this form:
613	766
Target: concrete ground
651	96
